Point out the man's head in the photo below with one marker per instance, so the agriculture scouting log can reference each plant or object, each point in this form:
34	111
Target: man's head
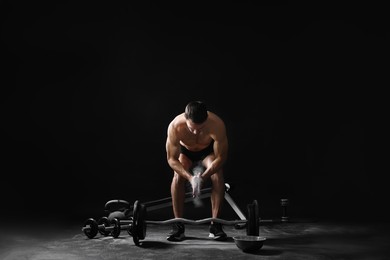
196	111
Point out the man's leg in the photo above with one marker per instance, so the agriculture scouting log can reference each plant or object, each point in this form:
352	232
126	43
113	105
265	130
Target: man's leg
178	193
217	194
178	197
217	198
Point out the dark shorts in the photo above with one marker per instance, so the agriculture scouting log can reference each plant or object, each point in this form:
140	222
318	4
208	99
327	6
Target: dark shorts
199	155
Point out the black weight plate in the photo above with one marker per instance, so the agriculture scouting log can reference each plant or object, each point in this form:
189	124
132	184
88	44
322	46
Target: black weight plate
93	228
141	227
116	227
104	221
135	227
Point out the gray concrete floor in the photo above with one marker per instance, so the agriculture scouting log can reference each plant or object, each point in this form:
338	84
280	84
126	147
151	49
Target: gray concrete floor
316	240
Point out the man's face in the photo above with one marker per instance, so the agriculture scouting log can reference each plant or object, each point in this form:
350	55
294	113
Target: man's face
195	128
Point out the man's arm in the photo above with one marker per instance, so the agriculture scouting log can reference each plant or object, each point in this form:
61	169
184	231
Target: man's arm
220	151
172	147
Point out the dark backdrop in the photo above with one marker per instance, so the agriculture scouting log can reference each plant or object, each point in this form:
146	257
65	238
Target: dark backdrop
89	89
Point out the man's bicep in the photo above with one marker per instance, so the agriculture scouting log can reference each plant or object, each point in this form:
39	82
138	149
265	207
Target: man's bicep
173	148
221	148
222	141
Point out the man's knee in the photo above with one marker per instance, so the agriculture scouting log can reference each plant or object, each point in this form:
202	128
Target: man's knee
178	180
217	178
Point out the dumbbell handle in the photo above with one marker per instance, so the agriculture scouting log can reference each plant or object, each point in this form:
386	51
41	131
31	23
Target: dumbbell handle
88	227
109	228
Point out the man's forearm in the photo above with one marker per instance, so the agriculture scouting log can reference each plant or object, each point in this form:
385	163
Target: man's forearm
177	167
214	167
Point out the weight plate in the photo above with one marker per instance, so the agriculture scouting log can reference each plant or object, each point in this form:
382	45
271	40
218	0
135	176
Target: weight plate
116	227
104	221
135	227
93	228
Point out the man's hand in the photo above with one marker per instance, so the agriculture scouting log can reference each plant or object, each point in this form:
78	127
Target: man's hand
196	183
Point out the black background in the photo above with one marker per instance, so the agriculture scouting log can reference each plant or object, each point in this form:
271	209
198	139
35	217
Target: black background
88	90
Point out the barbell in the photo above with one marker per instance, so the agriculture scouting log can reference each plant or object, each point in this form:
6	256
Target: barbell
136	225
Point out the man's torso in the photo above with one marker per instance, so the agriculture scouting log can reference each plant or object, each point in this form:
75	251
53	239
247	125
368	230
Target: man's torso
191	141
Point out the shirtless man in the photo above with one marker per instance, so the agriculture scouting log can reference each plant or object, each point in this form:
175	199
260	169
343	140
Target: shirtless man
196	136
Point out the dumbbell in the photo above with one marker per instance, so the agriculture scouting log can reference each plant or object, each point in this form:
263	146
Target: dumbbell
104	226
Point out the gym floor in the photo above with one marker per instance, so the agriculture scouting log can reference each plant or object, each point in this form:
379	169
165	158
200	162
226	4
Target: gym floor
295	240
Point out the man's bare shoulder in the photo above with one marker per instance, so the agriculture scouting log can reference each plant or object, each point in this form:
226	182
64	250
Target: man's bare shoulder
215	119
178	120
177	123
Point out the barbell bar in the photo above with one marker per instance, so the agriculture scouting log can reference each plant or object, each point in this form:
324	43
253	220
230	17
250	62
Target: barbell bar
195	222
124	206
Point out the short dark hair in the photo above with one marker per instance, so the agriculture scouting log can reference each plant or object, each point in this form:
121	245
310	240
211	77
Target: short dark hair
196	111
